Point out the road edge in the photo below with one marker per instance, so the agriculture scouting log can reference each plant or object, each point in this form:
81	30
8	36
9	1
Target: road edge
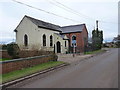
3	86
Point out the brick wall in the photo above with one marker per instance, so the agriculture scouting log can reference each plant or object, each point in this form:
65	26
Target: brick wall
25	53
4	54
80	36
17	64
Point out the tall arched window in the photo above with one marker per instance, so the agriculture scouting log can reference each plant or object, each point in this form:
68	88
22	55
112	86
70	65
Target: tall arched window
44	40
51	40
73	40
26	40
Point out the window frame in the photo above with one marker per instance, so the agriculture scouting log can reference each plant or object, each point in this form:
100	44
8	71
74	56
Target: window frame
51	40
25	40
44	40
72	40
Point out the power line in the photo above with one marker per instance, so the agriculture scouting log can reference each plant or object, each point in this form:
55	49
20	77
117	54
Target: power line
75	12
57	5
80	14
108	22
67	9
46	11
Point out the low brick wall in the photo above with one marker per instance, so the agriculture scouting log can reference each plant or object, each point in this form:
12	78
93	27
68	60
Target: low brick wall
4	54
17	64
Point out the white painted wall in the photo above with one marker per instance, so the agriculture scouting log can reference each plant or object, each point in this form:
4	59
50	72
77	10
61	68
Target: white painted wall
28	28
63	48
35	34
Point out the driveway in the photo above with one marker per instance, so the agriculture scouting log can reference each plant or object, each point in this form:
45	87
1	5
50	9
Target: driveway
70	59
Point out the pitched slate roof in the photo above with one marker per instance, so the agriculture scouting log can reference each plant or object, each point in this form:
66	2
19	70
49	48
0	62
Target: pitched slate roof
43	24
72	28
60	35
64	29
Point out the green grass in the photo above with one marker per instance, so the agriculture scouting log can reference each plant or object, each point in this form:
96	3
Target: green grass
94	52
4	59
27	71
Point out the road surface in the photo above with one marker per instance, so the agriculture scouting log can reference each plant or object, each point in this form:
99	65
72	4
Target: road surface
100	71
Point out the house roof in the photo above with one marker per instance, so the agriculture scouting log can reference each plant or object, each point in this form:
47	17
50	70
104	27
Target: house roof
72	28
60	35
43	24
64	29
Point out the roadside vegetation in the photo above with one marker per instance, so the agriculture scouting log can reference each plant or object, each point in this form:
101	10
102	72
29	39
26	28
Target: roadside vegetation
4	59
94	52
27	71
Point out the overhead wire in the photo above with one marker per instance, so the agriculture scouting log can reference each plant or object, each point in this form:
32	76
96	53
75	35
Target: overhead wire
51	12
46	11
68	9
80	14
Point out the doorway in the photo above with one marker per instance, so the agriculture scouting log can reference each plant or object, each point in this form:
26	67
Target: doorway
58	47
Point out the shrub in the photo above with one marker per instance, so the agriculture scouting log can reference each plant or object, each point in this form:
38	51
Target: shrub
55	57
13	50
4	47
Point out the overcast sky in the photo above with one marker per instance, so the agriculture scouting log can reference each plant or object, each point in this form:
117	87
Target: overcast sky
105	11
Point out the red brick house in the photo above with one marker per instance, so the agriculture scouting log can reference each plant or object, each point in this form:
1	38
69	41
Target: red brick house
77	34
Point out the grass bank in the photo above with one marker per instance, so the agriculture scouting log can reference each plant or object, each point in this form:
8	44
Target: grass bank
27	71
4	59
94	52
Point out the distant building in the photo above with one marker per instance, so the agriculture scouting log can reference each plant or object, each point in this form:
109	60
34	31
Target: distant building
32	33
108	44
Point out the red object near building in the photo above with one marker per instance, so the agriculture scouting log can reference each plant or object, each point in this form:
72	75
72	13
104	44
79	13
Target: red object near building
78	36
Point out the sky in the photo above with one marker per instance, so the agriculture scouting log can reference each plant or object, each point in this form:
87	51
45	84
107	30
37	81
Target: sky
88	11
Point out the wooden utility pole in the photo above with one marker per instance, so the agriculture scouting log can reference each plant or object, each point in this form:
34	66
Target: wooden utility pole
96	24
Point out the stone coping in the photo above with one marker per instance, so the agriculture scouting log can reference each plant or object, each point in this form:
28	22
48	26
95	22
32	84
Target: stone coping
20	59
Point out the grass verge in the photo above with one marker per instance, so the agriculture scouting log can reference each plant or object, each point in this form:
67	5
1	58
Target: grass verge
4	59
94	52
27	71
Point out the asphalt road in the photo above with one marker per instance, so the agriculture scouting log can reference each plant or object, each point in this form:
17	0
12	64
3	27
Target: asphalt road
100	71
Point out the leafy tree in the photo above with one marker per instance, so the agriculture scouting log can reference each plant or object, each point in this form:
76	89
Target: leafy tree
116	40
13	50
97	39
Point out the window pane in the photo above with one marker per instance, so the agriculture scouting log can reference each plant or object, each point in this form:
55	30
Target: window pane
44	40
26	40
51	40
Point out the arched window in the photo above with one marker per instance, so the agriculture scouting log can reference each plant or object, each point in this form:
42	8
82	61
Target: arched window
26	40
73	40
44	40
51	40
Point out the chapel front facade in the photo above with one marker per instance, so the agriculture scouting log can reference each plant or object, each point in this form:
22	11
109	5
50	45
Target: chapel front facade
34	34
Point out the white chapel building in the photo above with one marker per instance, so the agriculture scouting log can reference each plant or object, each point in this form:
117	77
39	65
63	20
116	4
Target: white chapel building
36	34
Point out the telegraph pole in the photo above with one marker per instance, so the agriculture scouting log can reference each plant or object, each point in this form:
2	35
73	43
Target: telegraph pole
96	24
